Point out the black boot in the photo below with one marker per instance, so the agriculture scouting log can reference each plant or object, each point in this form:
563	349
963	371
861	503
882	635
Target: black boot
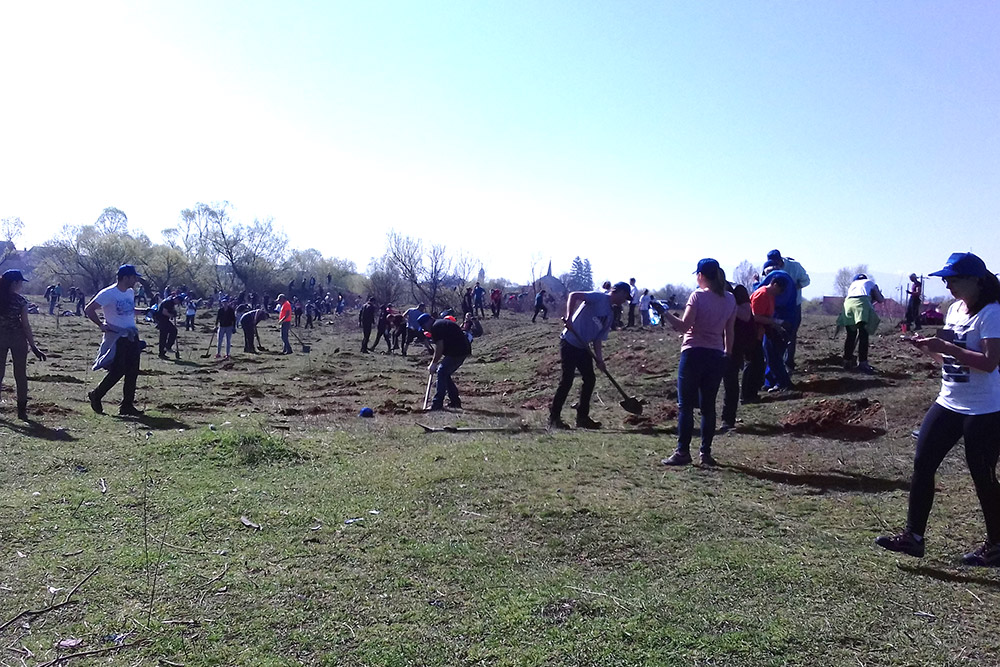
22	410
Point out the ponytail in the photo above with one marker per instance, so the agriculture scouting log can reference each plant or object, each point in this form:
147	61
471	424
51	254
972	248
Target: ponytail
989	292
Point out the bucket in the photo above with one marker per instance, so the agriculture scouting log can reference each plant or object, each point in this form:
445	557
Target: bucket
306	349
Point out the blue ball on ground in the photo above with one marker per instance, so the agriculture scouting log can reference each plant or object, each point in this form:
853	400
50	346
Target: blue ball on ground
366	412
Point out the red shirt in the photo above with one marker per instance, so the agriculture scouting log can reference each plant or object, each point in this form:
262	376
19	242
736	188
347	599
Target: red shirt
285	315
761	304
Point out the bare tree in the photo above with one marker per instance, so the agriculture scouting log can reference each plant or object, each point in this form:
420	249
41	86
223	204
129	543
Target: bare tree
423	272
112	221
10	229
744	274
845	276
253	253
91	256
384	282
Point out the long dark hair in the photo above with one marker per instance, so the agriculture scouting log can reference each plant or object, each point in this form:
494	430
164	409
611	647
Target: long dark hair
716	280
5	291
989	292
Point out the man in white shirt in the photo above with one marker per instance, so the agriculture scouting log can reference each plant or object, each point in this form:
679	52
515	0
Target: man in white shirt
633	301
121	347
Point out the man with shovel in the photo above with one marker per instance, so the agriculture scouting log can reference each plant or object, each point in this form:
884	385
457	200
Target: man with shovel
588	321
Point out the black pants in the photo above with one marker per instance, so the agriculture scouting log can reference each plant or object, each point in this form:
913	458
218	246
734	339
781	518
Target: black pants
543	310
168	336
18	346
125	364
731	384
248	334
856	332
379	335
189	323
574	359
913	312
939	432
631	315
753	374
366	331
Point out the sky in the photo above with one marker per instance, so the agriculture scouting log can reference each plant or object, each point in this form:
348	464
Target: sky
642	136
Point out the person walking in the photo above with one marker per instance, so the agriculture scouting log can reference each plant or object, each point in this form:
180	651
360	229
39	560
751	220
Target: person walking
588	321
16	336
190	311
707	325
285	322
478	297
166	312
915	300
451	347
120	347
248	323
540	306
225	322
366	318
496	299
967	407
860	320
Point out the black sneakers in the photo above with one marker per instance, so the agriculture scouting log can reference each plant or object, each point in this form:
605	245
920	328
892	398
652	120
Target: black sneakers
986	555
95	403
708	460
583	421
556	424
130	411
904	543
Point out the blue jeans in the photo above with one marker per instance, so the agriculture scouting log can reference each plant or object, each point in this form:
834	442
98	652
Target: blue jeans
287	349
776	374
445	385
698	378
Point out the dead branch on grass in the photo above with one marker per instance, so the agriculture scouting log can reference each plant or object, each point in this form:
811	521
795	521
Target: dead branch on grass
624	604
217	577
97	651
39	612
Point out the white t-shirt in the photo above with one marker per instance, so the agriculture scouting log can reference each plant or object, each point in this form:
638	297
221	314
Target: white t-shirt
861	288
963	389
118	306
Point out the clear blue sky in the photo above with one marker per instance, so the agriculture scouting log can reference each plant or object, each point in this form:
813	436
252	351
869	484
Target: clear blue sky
641	135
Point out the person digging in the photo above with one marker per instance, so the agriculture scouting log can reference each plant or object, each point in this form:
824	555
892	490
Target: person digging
589	316
451	347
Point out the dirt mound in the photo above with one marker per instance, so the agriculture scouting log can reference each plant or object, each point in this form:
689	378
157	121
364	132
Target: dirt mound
393	408
840	419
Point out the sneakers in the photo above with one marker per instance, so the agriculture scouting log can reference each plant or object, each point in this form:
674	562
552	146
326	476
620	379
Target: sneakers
218	356
904	543
95	403
678	458
986	555
130	411
584	421
865	367
556	424
708	460
725	428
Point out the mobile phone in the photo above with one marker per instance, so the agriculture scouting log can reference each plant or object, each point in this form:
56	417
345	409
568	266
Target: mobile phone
947	335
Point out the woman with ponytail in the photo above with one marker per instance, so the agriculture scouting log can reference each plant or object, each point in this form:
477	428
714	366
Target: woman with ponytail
16	336
967	407
707	325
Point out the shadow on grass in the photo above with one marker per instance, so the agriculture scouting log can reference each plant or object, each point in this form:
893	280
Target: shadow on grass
945	575
157	423
829	481
33	429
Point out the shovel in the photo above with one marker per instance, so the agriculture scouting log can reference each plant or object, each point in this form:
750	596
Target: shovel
427	392
305	348
629	403
208	349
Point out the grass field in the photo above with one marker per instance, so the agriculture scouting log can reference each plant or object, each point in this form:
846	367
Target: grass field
253	518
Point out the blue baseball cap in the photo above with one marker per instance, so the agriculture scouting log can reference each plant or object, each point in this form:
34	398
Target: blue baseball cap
709	267
425	320
962	264
126	270
621	287
13	275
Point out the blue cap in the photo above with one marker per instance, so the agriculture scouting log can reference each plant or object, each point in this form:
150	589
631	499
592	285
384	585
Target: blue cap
774	256
425	320
962	264
708	267
126	270
366	412
13	275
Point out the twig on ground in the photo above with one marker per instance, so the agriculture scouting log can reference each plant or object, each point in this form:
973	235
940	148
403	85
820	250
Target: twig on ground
217	577
624	604
473	513
66	601
82	654
353	634
156	572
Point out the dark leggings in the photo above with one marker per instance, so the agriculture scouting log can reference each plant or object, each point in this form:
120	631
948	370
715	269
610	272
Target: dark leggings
18	346
856	332
939	432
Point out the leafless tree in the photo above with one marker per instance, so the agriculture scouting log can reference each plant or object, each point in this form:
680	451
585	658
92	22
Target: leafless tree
112	221
424	272
384	282
10	229
744	274
845	276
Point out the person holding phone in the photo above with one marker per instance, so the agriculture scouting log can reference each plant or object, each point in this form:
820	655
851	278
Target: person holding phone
967	407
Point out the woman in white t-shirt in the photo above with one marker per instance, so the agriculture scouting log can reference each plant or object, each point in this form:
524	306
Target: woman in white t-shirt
968	407
707	325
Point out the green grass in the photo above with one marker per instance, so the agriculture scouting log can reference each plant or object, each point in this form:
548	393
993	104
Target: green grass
484	548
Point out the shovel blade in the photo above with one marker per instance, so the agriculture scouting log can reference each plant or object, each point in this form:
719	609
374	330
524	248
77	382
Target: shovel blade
631	405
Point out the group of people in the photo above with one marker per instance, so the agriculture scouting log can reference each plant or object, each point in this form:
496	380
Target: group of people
724	328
